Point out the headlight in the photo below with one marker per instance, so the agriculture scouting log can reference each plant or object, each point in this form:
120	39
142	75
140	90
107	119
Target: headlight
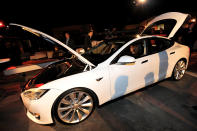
34	93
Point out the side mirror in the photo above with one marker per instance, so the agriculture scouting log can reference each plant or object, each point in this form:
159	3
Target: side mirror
126	60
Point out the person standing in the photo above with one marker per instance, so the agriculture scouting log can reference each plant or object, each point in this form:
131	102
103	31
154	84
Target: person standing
191	35
69	42
88	41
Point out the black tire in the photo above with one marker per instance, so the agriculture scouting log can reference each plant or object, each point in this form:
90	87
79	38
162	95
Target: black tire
74	106
179	70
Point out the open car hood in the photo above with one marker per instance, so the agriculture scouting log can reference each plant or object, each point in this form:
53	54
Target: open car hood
177	17
39	33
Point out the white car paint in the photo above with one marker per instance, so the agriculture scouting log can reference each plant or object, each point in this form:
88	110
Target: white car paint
116	80
179	17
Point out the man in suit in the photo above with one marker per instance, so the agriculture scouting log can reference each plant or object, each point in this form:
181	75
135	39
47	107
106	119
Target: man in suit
88	41
69	42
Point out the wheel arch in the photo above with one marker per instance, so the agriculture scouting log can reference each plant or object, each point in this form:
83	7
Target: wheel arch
184	59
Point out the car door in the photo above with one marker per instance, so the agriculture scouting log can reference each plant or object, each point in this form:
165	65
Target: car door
158	48
125	78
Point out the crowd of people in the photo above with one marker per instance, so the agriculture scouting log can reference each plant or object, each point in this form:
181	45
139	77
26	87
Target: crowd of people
88	39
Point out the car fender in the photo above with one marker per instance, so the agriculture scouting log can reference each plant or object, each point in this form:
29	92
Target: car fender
97	80
181	52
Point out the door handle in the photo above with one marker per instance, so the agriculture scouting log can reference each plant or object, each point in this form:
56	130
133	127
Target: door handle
98	79
172	52
144	61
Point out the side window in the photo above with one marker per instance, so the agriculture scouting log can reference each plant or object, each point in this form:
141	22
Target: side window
137	50
156	45
161	28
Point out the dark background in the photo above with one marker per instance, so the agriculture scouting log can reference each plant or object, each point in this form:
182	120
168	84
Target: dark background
49	14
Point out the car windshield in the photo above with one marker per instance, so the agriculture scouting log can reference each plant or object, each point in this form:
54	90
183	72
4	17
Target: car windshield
103	51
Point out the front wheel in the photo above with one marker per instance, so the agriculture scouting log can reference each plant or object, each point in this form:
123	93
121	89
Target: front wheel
74	106
179	70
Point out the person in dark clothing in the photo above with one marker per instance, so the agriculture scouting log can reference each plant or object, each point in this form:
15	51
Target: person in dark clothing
69	42
14	52
88	41
191	35
187	35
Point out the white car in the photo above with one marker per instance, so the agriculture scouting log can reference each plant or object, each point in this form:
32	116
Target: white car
70	89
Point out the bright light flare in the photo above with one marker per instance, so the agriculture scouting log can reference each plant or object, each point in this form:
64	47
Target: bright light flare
1	24
137	36
141	1
193	20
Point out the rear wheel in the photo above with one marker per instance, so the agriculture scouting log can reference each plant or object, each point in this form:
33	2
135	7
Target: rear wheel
74	106
179	70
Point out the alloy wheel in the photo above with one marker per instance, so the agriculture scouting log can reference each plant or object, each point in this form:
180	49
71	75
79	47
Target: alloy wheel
179	70
75	107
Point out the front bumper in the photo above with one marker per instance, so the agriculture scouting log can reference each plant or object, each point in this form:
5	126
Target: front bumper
40	111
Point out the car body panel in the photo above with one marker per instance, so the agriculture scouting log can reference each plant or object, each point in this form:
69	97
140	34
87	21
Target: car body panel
45	105
168	58
181	52
88	80
127	78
